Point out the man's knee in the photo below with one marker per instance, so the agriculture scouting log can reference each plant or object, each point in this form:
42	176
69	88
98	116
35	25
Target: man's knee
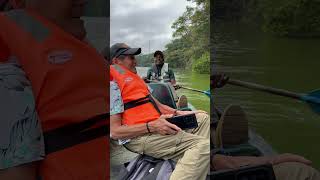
295	171
204	147
203	118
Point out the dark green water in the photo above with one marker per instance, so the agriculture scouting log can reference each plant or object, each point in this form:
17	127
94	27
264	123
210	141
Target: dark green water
247	54
195	81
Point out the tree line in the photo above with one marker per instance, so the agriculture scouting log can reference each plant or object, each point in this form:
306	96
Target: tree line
189	47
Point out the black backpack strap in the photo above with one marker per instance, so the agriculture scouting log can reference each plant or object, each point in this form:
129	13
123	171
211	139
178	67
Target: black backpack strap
74	134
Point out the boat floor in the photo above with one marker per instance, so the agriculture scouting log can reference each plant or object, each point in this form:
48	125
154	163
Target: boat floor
120	155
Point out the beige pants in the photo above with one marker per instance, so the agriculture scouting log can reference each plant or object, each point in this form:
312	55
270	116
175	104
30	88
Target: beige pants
190	149
295	171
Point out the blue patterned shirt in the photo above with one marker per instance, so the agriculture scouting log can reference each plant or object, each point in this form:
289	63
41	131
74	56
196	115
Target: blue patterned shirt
21	138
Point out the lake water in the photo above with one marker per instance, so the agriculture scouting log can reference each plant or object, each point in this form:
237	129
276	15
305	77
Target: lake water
247	54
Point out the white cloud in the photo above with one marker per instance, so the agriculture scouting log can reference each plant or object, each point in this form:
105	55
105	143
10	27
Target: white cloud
138	22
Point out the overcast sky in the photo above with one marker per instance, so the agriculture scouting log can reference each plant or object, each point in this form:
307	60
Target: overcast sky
136	22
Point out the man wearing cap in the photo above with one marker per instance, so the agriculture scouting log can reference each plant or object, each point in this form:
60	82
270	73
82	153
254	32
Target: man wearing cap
160	70
139	122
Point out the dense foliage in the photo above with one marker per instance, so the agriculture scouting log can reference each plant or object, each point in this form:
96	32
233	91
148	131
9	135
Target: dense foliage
292	18
190	42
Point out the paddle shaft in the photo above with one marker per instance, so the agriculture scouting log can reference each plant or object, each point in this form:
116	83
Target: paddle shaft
192	89
271	90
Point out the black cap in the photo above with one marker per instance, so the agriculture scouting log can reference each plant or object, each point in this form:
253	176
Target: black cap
122	49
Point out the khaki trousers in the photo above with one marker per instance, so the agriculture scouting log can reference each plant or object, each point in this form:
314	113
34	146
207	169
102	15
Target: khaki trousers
190	149
295	171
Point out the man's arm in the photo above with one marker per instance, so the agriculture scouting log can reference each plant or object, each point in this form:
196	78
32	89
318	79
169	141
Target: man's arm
26	133
172	77
160	126
119	131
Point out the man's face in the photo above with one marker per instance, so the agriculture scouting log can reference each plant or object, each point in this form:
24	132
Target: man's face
129	62
158	59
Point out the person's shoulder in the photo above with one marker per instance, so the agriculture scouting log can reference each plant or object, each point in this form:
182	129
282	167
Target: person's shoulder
114	85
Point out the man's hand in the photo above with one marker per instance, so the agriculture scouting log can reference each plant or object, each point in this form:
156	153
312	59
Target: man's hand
176	87
146	80
282	158
163	127
179	113
218	80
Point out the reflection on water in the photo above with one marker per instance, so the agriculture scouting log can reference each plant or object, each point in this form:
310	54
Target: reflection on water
192	80
245	53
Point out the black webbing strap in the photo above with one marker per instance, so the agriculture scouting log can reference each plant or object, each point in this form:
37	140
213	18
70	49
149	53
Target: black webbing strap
136	102
71	135
141	101
155	105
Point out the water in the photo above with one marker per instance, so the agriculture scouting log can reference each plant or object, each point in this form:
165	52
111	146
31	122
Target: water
247	54
192	80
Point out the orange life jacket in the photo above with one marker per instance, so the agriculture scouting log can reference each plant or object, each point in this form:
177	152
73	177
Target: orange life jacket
68	78
138	105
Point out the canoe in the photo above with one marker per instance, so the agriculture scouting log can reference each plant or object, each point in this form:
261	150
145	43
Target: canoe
166	94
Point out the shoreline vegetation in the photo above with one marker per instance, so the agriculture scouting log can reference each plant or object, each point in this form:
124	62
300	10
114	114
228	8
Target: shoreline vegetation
282	18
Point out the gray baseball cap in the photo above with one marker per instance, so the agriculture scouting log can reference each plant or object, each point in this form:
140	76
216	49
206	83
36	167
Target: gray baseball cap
122	49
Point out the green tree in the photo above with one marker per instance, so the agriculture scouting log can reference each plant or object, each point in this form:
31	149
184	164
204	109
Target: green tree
190	38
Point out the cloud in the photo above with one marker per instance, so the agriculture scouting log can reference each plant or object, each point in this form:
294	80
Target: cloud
138	22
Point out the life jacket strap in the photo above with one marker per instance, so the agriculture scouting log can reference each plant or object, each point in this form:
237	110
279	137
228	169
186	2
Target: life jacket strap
74	134
141	101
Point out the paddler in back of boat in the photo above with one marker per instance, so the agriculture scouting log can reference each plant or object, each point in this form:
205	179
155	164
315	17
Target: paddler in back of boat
59	78
160	71
139	122
285	166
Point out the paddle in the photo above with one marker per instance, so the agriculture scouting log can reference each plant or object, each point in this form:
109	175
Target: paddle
313	98
207	92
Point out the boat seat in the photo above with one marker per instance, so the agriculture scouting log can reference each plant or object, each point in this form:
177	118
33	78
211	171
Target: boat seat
163	93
